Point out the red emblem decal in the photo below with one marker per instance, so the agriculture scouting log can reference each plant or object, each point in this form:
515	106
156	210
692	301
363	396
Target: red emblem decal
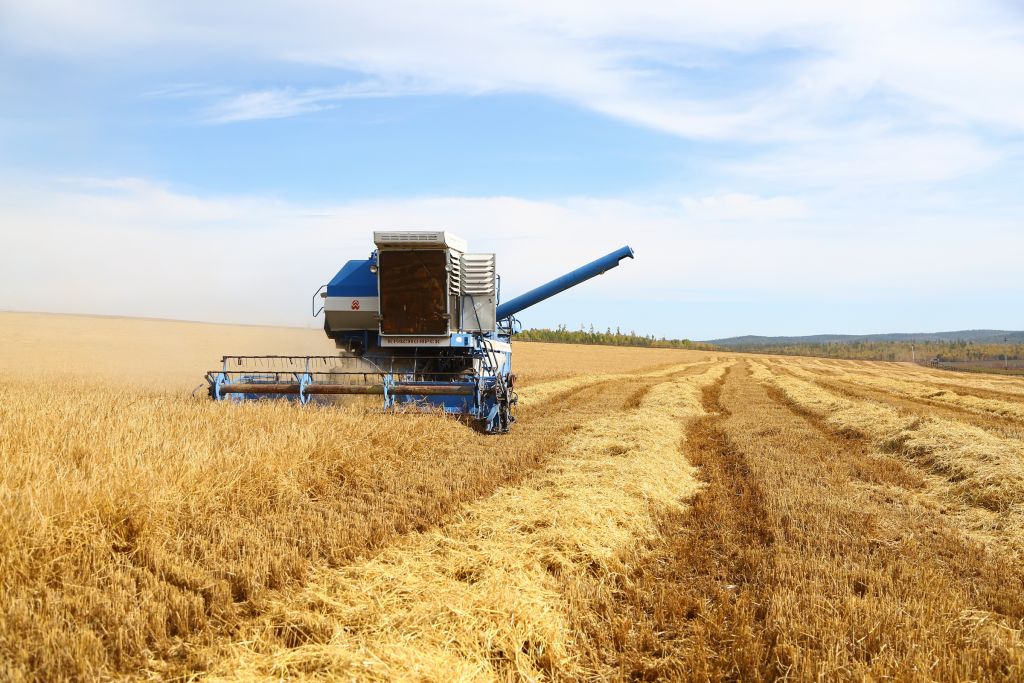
355	304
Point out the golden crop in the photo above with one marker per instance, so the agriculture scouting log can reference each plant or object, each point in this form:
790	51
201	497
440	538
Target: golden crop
654	514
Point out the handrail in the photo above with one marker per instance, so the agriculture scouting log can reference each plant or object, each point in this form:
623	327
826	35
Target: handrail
322	296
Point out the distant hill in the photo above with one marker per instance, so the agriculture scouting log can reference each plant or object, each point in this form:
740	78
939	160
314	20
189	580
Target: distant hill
976	336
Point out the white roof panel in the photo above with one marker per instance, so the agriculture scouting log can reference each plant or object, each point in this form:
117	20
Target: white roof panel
404	239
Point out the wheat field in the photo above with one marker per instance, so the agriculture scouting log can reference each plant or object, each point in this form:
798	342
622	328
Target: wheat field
655	514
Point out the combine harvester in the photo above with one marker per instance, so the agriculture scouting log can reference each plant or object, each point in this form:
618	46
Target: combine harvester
419	322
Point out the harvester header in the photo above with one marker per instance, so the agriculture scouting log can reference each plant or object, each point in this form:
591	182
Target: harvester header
418	322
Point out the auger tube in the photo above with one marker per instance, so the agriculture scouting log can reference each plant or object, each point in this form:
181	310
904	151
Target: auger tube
560	284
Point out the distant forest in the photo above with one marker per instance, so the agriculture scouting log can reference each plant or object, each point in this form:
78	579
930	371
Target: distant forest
563	335
921	351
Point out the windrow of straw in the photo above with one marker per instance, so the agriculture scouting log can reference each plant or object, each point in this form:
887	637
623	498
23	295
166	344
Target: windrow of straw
985	470
483	597
1011	387
920	389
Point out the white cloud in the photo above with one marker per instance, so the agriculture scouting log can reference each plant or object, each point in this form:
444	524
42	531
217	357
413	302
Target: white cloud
736	206
139	248
959	59
867	92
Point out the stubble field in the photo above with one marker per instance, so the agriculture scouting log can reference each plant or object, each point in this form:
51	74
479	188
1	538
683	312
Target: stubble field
654	514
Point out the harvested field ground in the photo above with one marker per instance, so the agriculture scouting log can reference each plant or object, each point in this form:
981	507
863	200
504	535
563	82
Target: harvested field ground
655	514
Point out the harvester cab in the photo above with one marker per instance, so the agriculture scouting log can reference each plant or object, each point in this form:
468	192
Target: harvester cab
419	322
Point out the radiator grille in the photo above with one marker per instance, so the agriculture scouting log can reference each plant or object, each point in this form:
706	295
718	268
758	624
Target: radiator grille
477	274
454	273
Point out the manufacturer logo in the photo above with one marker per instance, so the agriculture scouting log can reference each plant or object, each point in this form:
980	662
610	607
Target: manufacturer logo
355	304
434	341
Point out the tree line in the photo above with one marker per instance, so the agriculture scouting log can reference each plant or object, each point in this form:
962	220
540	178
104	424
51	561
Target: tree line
563	335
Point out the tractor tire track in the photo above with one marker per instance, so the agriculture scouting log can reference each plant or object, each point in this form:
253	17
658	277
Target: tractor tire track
791	563
646	383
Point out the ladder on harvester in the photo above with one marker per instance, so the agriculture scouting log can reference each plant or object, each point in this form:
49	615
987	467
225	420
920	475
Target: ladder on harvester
504	393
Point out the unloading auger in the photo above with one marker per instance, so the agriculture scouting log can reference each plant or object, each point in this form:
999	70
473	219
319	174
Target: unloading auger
419	323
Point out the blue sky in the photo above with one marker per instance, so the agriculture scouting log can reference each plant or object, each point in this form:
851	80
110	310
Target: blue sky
779	168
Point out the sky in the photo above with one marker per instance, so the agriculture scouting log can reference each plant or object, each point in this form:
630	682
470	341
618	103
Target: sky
793	167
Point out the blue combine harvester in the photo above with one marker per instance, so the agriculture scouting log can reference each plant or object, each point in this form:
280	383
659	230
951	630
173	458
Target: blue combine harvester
419	322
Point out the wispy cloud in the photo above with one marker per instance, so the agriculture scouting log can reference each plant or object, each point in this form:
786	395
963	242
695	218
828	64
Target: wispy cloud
286	102
642	63
266	104
935	78
182	91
